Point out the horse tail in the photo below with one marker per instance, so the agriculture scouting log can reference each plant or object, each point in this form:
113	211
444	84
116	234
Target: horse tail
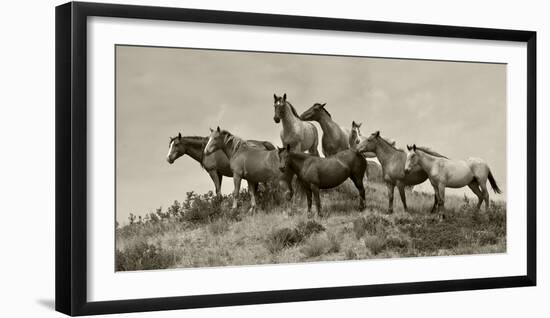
493	183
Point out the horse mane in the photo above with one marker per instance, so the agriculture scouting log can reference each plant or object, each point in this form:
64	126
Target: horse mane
326	111
237	142
430	152
293	109
390	144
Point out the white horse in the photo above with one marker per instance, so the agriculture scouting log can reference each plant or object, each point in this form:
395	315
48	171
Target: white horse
446	173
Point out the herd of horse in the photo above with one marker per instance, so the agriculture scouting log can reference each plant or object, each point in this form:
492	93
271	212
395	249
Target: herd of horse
345	152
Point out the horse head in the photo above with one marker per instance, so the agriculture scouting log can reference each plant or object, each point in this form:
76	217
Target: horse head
279	105
355	134
412	158
176	149
314	112
215	141
284	157
369	144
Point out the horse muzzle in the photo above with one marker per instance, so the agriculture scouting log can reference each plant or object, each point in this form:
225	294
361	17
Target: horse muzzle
170	161
276	120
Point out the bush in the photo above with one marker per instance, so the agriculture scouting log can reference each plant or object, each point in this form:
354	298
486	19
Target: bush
314	247
202	208
285	237
375	244
218	227
350	254
143	256
308	228
372	224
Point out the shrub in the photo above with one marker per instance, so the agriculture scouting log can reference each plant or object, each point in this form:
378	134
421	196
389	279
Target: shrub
285	237
202	208
316	246
372	224
375	244
308	228
218	227
143	256
350	254
487	238
334	243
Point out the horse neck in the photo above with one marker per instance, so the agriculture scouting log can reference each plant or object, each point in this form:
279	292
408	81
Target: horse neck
289	120
195	148
425	160
327	124
297	161
385	152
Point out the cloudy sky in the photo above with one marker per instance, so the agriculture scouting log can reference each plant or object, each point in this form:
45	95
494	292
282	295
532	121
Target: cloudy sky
458	109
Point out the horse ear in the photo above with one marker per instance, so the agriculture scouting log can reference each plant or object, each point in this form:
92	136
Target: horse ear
414	147
359	125
284	97
323	104
275	97
211	130
377	133
179	135
408	148
218	129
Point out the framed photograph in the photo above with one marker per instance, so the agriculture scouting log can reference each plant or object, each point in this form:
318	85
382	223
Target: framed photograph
211	158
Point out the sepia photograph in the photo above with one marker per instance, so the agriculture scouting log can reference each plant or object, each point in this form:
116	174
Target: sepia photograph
239	158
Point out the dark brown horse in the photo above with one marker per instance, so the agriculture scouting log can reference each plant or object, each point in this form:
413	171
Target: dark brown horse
216	164
316	173
249	163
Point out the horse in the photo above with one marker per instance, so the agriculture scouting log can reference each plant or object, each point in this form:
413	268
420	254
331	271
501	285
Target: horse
335	138
446	173
393	160
250	163
316	173
300	135
216	164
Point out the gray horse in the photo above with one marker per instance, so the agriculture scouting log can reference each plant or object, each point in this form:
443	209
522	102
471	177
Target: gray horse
393	167
316	173
216	164
335	138
300	135
249	163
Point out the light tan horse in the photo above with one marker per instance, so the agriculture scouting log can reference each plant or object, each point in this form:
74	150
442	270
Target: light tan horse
335	138
249	163
300	135
446	173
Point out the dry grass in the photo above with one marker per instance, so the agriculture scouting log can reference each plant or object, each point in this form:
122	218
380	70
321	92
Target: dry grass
219	238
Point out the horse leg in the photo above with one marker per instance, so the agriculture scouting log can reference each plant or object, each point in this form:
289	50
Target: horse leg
236	190
441	192
220	178
359	185
216	179
316	196
308	196
401	188
483	186
436	199
391	188
475	189
253	188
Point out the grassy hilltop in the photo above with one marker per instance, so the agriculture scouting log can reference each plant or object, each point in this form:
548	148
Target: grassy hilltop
202	230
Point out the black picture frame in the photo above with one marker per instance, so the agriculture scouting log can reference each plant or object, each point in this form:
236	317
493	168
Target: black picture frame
71	157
